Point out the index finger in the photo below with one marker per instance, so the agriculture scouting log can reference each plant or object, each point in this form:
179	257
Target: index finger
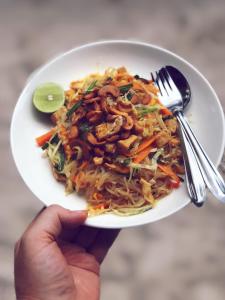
51	222
102	243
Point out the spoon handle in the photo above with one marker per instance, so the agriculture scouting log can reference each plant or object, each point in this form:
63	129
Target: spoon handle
195	182
212	177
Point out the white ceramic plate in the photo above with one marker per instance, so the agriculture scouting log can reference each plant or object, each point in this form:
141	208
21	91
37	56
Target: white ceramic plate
204	113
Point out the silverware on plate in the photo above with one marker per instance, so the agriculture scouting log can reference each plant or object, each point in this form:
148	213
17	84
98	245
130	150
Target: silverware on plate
195	182
200	171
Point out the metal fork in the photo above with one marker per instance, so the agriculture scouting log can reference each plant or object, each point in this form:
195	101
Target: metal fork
195	182
212	177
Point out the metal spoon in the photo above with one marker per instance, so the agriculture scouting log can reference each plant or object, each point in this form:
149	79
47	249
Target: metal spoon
212	178
194	179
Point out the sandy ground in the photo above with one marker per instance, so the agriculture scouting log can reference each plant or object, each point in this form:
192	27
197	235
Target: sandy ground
181	257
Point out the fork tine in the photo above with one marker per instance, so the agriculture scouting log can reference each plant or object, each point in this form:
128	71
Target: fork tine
165	76
170	81
164	83
160	84
155	80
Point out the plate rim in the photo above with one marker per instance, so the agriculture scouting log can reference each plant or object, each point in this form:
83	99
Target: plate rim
104	42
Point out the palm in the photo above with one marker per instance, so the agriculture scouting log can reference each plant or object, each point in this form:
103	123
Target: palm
84	270
58	259
83	254
87	283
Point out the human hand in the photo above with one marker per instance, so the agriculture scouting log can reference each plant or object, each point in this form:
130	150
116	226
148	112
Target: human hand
57	258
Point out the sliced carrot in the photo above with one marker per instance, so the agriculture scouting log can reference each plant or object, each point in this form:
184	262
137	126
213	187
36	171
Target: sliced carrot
83	165
142	155
97	196
100	206
168	171
147	142
165	111
174	184
41	140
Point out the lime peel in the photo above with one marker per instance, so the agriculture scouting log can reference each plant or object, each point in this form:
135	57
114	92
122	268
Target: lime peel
48	97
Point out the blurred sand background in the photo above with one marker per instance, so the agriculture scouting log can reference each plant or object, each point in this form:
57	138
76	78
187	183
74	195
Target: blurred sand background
181	257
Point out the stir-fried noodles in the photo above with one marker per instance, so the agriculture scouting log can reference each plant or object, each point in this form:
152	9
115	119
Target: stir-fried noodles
114	142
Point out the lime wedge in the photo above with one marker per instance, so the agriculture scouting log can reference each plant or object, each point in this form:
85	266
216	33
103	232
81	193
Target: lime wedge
48	97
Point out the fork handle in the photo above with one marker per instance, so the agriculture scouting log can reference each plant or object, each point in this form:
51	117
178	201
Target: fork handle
212	177
195	182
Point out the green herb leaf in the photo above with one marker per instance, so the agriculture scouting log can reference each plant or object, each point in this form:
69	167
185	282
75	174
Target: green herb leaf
129	96
157	155
125	88
59	167
84	127
54	139
126	161
144	110
74	108
91	86
45	146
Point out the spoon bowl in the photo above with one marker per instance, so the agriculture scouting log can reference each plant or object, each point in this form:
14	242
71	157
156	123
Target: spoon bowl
182	83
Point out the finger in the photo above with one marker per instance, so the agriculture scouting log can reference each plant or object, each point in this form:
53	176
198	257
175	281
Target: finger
83	235
102	243
70	249
86	236
54	220
69	235
79	258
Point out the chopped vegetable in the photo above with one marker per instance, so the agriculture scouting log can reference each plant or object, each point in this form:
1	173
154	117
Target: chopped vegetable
168	171
157	155
142	166
54	139
91	86
100	206
125	88
126	161
41	140
45	146
143	110
60	165
165	111
74	108
147	142
174	184
84	127
83	165
129	96
142	155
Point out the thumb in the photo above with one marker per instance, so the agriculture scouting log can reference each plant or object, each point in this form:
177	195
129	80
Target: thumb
53	220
